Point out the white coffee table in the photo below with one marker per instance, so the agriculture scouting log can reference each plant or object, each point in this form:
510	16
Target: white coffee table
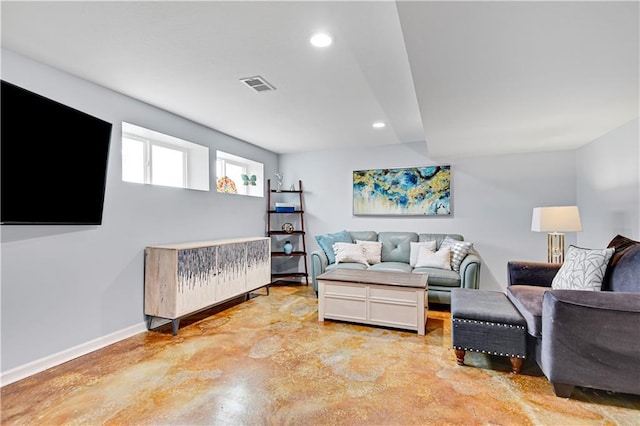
390	299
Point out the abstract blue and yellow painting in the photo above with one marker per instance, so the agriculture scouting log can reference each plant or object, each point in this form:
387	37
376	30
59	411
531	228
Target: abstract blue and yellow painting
402	191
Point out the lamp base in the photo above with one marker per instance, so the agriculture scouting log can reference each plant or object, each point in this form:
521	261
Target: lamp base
555	247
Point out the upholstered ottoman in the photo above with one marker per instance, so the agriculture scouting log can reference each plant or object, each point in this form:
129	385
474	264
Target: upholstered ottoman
486	321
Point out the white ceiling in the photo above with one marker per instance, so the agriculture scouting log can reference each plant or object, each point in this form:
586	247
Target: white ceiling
469	78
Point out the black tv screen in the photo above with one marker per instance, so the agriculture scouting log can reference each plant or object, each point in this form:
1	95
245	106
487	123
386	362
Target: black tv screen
53	161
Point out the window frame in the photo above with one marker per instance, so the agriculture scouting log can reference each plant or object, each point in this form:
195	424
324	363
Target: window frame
190	153
248	166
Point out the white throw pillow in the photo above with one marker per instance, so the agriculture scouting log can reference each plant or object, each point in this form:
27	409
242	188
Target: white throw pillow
415	248
347	252
583	269
440	259
459	250
372	250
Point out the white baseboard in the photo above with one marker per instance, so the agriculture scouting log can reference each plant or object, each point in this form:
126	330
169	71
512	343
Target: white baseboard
26	370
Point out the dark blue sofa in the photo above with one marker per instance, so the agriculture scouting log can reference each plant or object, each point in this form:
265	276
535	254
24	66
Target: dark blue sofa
583	338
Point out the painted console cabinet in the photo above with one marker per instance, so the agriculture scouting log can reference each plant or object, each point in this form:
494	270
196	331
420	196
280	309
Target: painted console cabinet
181	279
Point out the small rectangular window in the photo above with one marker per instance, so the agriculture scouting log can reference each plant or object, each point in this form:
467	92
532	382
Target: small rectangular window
238	175
154	158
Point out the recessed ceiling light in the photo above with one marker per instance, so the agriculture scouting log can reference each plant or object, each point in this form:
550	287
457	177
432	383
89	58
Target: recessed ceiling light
379	124
321	40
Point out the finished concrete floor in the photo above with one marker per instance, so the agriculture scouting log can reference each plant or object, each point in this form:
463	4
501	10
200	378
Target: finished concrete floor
268	361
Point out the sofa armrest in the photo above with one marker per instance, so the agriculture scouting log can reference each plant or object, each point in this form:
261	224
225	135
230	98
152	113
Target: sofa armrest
591	339
532	273
470	271
319	263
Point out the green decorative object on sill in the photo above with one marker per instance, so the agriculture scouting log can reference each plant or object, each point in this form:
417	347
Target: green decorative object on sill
246	180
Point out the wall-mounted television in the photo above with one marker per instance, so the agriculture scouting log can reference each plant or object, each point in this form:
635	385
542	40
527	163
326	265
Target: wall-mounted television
53	161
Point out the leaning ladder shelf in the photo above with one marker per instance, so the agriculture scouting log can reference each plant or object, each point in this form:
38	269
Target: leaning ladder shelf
297	234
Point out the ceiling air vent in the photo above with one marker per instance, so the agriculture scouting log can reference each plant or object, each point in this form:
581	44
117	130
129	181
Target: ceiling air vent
258	84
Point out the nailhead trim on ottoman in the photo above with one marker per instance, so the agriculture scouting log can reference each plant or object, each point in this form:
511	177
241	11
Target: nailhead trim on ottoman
487	322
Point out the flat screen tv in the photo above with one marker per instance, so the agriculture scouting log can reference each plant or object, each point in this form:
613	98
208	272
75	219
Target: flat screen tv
53	161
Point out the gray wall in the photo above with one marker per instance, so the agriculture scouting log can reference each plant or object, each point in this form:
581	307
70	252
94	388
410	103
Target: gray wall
63	286
608	172
492	198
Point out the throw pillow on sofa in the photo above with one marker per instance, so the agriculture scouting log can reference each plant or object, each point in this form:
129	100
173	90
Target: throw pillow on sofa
415	250
348	252
440	259
326	242
372	250
459	250
583	269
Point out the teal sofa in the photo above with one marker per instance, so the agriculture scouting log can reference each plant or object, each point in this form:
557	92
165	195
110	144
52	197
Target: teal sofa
396	249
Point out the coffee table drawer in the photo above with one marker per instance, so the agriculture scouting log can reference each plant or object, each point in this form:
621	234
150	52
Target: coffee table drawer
345	290
392	294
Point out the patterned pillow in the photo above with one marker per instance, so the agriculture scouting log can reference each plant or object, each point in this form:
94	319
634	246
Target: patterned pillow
415	250
583	269
347	252
372	250
326	242
440	259
459	250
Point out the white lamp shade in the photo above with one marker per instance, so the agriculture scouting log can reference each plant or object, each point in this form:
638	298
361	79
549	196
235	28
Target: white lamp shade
556	219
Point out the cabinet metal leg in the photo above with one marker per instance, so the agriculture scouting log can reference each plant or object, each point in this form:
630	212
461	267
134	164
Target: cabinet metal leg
248	295
175	324
149	319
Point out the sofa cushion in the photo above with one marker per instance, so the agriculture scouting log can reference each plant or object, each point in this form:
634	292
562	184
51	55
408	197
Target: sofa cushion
347	252
326	242
528	300
440	259
583	269
391	266
332	266
372	250
364	235
395	246
624	267
414	249
459	250
440	277
439	238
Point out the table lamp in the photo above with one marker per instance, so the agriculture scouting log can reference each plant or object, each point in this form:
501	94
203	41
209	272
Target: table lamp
555	221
